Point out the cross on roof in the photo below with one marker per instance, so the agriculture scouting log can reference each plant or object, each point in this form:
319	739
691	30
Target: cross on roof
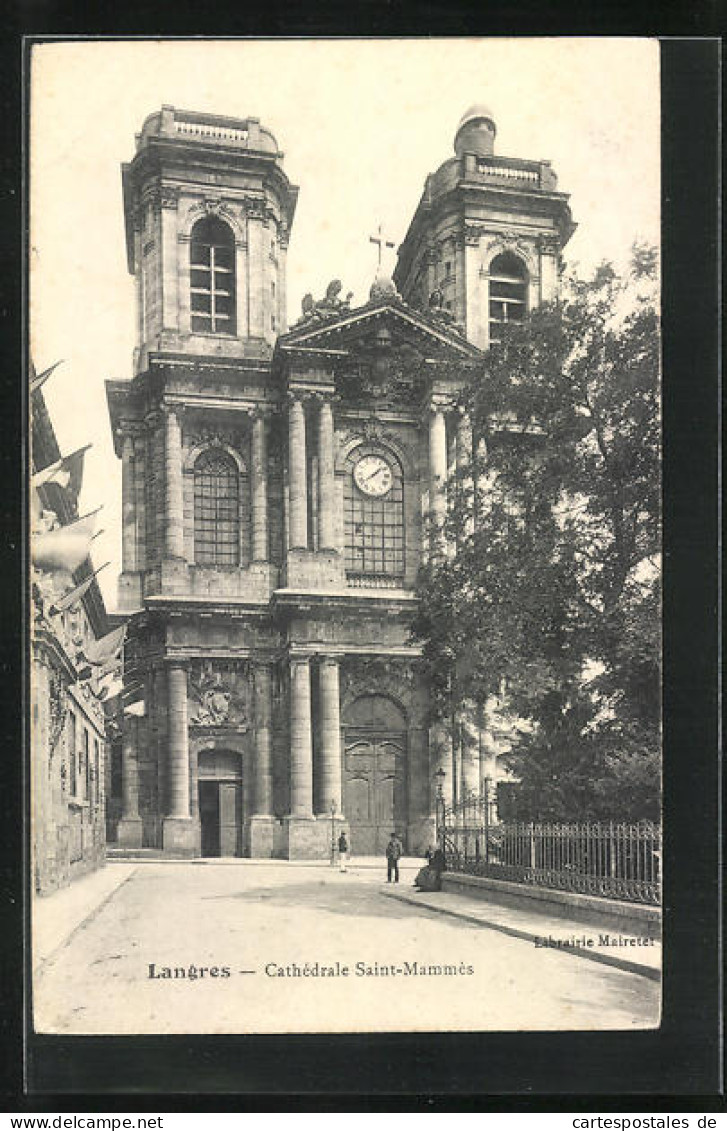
382	242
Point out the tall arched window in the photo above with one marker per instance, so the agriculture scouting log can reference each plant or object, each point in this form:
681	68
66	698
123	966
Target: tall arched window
212	277
216	510
374	514
508	293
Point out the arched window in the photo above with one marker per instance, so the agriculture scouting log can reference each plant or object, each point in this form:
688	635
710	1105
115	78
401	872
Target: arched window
374	514
216	510
508	293
212	277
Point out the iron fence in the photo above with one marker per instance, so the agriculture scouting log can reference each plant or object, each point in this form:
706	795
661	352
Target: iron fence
618	860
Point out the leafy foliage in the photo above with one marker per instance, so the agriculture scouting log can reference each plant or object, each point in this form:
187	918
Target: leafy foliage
552	593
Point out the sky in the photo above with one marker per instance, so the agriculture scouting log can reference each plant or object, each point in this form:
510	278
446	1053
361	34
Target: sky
361	123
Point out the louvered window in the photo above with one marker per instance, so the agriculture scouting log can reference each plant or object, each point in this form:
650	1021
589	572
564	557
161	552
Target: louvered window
508	293
212	277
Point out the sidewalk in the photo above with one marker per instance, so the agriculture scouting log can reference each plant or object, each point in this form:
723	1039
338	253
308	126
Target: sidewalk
55	917
568	935
355	863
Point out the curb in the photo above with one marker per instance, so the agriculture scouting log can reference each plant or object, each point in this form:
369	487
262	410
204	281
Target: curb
530	936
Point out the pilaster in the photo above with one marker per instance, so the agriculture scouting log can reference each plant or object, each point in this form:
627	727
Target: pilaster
326	477
437	474
128	508
259	480
297	476
174	510
129	833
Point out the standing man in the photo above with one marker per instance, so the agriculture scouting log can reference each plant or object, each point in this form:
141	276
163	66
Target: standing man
393	852
342	851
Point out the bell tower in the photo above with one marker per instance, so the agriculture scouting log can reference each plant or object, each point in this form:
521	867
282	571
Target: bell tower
487	234
208	212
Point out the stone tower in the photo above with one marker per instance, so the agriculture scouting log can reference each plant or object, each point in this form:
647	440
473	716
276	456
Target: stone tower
486	237
208	212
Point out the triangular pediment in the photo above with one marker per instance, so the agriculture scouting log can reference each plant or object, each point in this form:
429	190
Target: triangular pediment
432	336
385	352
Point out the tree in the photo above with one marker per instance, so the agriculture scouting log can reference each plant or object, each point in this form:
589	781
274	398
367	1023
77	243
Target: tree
551	597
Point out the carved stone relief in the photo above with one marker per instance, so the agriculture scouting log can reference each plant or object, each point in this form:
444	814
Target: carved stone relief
219	694
383	676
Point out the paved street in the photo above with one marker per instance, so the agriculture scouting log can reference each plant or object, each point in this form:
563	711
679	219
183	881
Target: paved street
408	968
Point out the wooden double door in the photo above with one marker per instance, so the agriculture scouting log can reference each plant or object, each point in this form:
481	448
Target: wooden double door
374	789
220	802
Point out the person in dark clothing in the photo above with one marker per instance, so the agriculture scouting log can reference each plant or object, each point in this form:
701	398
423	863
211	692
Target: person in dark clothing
430	877
342	851
393	854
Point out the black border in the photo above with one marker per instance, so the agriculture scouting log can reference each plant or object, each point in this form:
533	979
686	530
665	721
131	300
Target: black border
448	1071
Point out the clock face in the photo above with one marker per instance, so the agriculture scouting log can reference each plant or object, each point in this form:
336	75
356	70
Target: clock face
373	476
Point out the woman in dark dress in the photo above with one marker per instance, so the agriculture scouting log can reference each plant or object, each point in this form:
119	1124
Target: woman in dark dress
430	877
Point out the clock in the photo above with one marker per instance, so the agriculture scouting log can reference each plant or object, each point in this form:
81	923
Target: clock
373	476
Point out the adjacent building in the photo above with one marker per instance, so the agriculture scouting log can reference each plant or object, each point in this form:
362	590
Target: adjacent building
68	719
282	486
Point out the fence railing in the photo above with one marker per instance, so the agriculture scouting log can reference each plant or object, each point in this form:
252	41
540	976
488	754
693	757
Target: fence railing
617	860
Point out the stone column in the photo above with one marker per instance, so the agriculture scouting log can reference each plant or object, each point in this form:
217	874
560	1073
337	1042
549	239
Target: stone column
282	284
169	268
297	477
437	475
140	464
260	827
330	732
178	742
464	466
129	828
257	281
476	304
138	284
326	478
259	477
128	509
460	284
180	834
263	766
174	516
301	746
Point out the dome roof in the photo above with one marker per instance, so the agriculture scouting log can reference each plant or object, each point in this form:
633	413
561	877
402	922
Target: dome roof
382	287
478	110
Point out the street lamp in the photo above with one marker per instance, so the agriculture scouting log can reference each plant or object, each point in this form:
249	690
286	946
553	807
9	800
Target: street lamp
486	800
440	776
333	832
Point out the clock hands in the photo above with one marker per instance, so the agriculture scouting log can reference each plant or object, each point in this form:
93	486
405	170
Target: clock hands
379	471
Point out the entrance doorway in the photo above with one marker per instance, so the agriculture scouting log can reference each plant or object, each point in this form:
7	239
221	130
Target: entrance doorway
220	803
374	780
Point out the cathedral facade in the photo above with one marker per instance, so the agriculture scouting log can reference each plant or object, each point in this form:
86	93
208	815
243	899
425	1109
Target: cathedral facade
282	487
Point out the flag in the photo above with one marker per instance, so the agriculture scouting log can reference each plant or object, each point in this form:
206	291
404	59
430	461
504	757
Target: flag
66	546
73	596
99	652
66	472
137	710
110	690
38	380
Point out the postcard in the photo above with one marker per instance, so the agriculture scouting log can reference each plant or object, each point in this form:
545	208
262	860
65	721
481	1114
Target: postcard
345	533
